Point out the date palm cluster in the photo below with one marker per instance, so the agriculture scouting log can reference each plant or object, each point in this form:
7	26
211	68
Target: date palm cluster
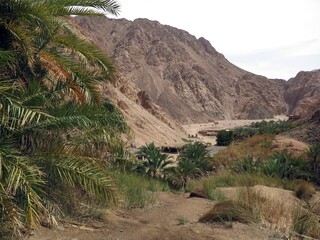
56	129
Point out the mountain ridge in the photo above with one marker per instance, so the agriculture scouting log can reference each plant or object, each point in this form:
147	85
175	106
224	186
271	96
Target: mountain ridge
186	79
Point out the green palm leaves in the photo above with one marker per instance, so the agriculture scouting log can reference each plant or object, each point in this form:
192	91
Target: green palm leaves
39	36
55	127
193	161
154	163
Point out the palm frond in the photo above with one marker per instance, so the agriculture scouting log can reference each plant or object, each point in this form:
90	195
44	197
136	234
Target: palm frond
9	214
71	7
24	181
75	171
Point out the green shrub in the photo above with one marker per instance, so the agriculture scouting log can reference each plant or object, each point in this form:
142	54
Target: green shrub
198	154
137	191
286	165
247	165
182	220
213	193
225	137
313	154
241	134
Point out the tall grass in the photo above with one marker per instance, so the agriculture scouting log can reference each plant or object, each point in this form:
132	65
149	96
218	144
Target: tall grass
306	223
254	146
137	191
272	212
228	179
253	206
227	211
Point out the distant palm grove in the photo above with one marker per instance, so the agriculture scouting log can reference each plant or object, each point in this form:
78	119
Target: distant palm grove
57	132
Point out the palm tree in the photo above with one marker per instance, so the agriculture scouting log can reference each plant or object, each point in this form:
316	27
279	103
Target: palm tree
185	171
154	164
197	153
193	161
55	127
313	154
38	33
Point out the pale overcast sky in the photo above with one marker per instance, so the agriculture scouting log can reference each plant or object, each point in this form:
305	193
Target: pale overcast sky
274	38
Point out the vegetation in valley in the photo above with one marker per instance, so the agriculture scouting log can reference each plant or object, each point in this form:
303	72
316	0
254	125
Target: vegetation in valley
193	162
226	137
236	167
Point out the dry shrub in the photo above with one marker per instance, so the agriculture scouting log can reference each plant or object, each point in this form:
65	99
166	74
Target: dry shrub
227	211
303	189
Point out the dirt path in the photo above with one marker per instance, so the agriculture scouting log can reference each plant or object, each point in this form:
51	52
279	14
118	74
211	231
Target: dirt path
173	216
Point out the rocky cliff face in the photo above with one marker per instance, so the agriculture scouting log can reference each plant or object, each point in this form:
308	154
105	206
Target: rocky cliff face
302	93
183	75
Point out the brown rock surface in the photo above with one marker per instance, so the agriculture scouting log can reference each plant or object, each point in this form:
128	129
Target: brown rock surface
184	75
303	93
167	77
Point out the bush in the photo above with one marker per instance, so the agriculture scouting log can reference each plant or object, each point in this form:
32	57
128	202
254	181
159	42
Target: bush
286	165
247	165
138	191
241	134
273	127
227	211
213	193
303	189
198	154
313	154
182	220
225	137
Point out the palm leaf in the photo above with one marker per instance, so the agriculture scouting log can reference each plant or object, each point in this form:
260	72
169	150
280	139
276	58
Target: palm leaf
80	171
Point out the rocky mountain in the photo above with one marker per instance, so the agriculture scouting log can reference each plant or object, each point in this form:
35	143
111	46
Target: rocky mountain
167	77
184	75
147	120
302	93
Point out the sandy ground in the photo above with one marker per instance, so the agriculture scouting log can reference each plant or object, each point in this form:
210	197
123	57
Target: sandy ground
160	222
282	142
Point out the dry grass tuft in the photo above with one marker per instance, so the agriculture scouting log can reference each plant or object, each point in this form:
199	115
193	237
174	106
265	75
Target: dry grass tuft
306	223
227	211
273	213
303	189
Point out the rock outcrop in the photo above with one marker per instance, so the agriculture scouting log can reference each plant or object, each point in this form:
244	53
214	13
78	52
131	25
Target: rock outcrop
303	93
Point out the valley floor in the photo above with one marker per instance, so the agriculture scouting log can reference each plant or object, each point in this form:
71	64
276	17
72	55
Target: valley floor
173	216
